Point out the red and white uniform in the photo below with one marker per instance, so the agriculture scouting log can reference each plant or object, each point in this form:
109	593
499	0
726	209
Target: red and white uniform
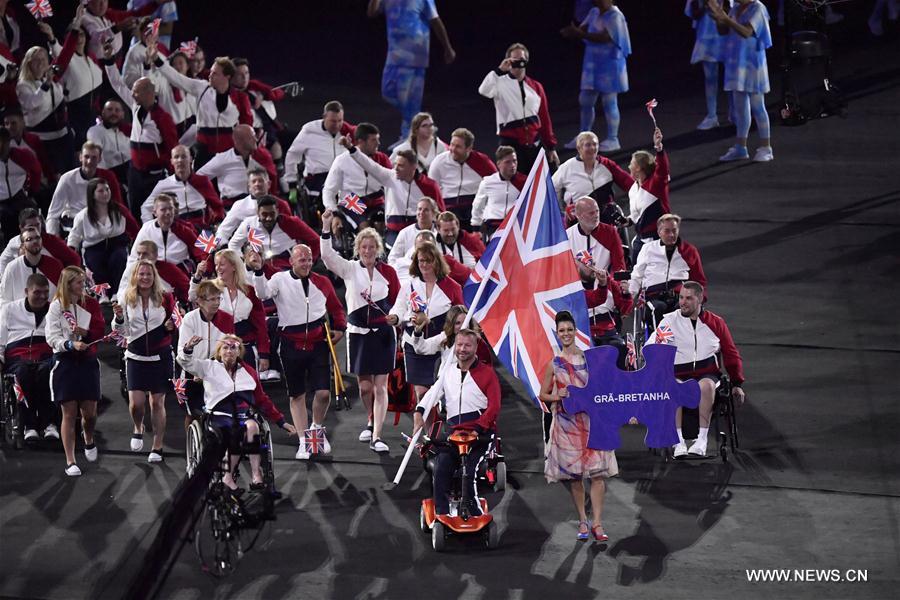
217	114
347	176
86	234
318	147
174	280
268	96
467	249
115	142
244	209
211	331
474	391
82	75
171	99
44	103
53	245
101	28
697	344
174	246
496	197
401	198
229	169
646	202
32	143
145	331
655	270
603	244
444	294
381	288
248	314
70	197
21	337
400	256
603	302
459	181
303	305
522	110
153	132
19	171
572	182
198	202
277	244
88	316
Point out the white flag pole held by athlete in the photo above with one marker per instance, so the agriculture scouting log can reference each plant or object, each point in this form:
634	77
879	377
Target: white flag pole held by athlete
431	396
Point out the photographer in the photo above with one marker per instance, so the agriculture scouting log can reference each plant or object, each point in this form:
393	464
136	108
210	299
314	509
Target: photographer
663	265
523	113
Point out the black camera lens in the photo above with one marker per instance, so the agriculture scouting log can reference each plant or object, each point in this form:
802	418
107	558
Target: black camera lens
519	64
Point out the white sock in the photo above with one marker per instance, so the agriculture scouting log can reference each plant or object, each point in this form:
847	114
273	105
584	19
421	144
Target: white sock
680	436
704	431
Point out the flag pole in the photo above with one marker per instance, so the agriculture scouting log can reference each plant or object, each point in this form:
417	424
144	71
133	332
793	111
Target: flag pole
430	399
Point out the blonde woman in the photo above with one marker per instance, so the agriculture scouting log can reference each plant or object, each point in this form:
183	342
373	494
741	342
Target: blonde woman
239	300
145	319
371	289
74	322
230	389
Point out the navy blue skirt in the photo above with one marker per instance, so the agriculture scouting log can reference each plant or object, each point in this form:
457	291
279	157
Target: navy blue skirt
150	376
420	368
372	353
74	377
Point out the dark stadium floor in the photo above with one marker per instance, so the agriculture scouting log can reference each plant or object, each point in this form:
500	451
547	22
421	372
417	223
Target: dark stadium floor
803	260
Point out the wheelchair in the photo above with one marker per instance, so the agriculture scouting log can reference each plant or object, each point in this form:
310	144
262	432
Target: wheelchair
460	520
231	522
10	414
723	420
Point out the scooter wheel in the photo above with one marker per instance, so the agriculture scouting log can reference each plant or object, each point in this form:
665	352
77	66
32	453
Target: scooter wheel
500	483
438	537
423	523
492	535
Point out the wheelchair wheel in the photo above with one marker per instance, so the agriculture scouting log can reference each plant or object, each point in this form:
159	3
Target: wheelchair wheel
123	382
438	536
12	431
267	454
217	540
193	447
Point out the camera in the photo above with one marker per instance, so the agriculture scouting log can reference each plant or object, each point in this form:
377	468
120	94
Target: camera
518	64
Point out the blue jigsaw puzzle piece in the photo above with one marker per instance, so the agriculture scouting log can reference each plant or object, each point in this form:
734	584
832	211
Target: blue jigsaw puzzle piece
651	395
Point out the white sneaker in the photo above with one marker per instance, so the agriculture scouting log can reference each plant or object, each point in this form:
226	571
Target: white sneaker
609	145
91	453
31	434
137	442
51	432
302	454
708	123
326	446
379	446
764	154
679	450
736	152
155	457
365	435
698	448
73	470
270	375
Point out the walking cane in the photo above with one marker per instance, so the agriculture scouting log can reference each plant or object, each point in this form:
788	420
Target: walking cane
341	399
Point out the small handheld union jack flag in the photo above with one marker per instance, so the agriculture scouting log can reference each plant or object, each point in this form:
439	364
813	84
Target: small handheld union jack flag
40	9
665	335
631	356
650	106
153	28
367	296
177	320
189	48
206	241
353	203
255	238
180	387
585	258
20	393
99	290
70	319
416	302
314	439
116	336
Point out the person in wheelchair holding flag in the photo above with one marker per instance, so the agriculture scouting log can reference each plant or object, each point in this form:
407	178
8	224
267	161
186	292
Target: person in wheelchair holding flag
471	393
231	392
699	335
25	354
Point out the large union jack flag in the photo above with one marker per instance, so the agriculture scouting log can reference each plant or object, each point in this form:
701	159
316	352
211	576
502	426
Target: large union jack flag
532	278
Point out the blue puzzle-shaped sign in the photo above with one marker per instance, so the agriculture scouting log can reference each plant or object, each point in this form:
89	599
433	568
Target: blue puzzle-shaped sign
651	395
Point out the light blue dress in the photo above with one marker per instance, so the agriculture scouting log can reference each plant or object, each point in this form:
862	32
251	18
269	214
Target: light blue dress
746	69
603	69
710	46
408	32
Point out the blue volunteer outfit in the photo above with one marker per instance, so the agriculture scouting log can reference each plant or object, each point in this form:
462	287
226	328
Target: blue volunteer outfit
709	45
409	37
746	69
603	69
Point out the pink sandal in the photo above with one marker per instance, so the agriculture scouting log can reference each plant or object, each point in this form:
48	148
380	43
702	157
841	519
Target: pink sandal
599	534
